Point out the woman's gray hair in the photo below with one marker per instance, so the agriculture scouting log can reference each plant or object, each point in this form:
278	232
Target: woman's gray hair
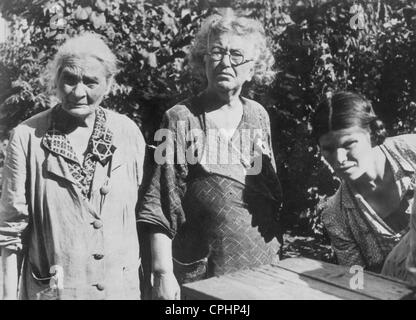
85	45
240	26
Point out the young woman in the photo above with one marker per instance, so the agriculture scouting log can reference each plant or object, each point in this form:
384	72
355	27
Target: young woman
369	213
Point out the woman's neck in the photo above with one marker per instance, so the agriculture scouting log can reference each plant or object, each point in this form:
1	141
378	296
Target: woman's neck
89	120
377	175
72	122
215	101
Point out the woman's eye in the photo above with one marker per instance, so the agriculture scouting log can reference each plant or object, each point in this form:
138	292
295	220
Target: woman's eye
236	53
70	80
350	144
90	83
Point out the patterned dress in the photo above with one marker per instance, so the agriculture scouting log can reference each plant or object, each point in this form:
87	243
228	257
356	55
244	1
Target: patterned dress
222	216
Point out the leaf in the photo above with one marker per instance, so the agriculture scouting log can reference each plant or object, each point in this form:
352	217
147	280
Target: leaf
50	33
81	13
167	10
152	60
100	5
168	21
155	44
97	19
185	12
110	33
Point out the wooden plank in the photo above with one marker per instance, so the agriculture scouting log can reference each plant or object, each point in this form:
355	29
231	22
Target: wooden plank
266	283
280	273
270	287
235	289
374	285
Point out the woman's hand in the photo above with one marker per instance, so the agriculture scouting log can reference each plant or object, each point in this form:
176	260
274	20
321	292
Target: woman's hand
165	287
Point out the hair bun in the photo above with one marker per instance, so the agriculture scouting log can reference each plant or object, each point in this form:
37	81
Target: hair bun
379	132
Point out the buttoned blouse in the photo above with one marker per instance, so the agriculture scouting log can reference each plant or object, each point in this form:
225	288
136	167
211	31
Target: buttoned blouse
358	235
66	214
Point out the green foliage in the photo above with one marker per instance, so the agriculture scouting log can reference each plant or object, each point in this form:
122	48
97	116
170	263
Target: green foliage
316	49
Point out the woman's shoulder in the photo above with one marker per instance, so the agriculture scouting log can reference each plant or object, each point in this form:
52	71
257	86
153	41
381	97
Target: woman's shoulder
116	119
123	125
403	146
37	124
183	110
256	112
127	136
404	140
254	105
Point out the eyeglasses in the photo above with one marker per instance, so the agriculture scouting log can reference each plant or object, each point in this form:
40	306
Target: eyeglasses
236	57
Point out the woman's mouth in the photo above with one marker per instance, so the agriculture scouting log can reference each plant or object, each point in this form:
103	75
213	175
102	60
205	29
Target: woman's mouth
77	104
225	74
345	169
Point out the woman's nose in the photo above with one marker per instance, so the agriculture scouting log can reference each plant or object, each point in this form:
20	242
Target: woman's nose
79	90
341	155
226	59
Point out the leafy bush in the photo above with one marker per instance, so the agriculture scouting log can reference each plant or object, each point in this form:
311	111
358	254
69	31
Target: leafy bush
365	46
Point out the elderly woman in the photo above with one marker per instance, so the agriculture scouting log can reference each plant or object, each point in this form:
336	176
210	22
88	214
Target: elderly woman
70	186
214	191
369	213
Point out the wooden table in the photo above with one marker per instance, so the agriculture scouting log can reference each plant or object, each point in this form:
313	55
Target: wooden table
296	279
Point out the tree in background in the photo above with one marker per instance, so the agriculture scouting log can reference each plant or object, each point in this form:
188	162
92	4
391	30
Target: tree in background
365	46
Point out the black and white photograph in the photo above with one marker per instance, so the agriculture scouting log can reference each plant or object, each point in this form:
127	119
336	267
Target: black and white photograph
207	150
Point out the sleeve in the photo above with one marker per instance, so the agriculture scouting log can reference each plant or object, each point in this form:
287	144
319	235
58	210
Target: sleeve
344	245
13	204
267	136
270	170
268	220
139	154
162	201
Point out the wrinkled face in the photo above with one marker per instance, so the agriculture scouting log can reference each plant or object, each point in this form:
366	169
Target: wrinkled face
224	74
82	85
348	151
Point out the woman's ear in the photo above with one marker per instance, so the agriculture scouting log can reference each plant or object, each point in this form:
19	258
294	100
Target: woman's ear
378	132
250	73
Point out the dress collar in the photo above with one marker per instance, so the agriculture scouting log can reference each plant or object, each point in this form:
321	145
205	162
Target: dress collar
100	144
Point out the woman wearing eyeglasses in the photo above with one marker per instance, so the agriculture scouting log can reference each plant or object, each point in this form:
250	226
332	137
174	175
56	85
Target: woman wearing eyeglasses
213	204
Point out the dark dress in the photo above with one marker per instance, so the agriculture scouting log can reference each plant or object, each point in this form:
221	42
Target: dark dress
222	216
